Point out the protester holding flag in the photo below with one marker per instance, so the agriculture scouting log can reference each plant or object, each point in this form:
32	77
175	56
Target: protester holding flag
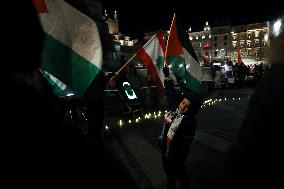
39	148
179	123
178	131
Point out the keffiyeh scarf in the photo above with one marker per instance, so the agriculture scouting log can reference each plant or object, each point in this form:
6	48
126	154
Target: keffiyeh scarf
174	119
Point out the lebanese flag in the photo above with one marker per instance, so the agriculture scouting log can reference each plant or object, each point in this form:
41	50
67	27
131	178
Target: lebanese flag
152	55
182	58
72	49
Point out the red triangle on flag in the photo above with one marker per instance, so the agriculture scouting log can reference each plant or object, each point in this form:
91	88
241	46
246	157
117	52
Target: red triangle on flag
40	6
174	47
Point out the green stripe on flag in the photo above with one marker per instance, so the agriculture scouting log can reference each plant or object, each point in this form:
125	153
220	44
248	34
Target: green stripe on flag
57	86
178	66
68	66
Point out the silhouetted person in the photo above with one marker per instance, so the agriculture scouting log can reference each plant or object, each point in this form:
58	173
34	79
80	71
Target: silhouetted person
255	158
39	148
242	72
178	132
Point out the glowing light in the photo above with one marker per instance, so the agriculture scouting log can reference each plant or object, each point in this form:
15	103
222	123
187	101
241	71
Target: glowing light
70	94
120	122
129	121
266	37
239	98
277	27
136	120
106	127
180	65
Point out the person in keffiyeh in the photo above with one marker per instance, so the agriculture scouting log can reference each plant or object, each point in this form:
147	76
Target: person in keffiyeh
178	131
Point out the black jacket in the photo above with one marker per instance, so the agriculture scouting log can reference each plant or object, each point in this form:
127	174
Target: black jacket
255	156
180	145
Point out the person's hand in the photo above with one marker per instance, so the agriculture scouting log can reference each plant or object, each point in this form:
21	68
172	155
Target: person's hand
166	71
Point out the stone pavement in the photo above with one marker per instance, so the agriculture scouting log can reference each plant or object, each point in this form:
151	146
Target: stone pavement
136	145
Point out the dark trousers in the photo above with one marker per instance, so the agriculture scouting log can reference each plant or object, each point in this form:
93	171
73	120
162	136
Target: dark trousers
175	169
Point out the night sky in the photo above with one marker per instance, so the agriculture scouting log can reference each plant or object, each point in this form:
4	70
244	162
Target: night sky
139	16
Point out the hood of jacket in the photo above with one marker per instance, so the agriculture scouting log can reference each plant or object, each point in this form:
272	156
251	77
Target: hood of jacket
195	100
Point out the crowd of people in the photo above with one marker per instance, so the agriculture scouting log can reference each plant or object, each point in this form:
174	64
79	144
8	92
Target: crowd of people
237	74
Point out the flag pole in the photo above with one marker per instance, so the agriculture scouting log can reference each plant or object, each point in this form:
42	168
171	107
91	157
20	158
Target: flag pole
166	54
128	61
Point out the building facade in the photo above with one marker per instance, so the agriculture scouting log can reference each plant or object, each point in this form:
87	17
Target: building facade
221	40
219	44
251	40
223	43
201	43
122	44
113	26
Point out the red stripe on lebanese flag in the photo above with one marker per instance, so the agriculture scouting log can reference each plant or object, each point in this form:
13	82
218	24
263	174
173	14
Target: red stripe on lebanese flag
40	6
147	61
152	55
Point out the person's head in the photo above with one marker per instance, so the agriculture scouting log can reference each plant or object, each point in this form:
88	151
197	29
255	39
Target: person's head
190	102
184	105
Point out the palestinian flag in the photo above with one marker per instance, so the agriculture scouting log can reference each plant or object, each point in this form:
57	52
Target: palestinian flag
58	87
72	49
182	58
152	55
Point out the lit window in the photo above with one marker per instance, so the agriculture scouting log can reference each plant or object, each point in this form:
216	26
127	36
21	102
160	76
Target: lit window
265	37
256	41
209	36
256	33
190	38
197	37
234	43
203	36
248	43
249	52
249	35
